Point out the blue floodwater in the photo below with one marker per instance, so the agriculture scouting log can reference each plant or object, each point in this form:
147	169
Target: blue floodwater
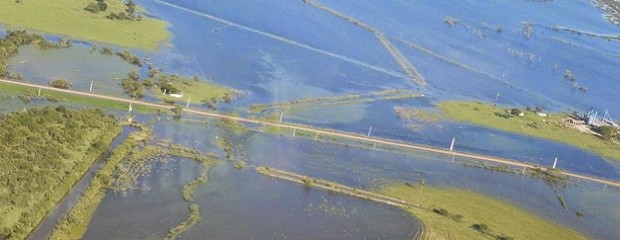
241	205
269	70
370	169
284	50
314	54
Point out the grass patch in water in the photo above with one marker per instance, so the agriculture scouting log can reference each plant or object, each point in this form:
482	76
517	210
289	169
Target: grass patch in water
551	127
499	217
198	91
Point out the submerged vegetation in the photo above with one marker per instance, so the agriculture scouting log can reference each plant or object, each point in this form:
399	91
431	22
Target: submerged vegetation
129	161
43	152
474	214
552	127
416	115
67	14
612	8
67	98
73	225
15	39
188	195
335	100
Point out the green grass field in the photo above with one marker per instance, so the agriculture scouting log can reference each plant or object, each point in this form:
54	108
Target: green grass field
501	217
552	128
198	92
68	18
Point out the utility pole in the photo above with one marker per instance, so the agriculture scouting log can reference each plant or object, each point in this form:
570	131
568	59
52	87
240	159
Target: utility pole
452	144
90	90
555	162
281	116
369	131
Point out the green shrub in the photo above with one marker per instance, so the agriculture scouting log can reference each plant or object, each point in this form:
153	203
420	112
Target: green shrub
60	83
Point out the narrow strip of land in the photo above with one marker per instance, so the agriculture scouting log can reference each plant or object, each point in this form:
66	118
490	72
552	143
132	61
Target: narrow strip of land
326	132
330	186
404	63
336	187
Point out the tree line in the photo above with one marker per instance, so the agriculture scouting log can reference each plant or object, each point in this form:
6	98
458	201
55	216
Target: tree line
43	151
128	14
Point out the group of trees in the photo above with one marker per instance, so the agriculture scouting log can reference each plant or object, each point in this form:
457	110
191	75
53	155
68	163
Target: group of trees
165	84
40	149
133	86
128	14
60	83
99	6
129	57
17	38
608	132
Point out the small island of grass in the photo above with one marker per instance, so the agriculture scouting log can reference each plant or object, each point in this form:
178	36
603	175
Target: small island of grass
72	18
461	214
172	88
556	126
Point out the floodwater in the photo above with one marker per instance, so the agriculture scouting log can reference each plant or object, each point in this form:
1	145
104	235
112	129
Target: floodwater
76	65
349	165
370	169
237	204
315	54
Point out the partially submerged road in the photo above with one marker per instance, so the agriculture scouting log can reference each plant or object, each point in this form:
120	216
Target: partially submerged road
326	132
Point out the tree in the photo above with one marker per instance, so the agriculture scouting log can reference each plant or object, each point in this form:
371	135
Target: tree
99	6
608	132
481	227
307	181
516	111
441	211
131	7
60	83
569	75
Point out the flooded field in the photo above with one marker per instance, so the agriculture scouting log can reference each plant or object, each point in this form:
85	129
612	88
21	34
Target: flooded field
351	166
239	204
466	50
